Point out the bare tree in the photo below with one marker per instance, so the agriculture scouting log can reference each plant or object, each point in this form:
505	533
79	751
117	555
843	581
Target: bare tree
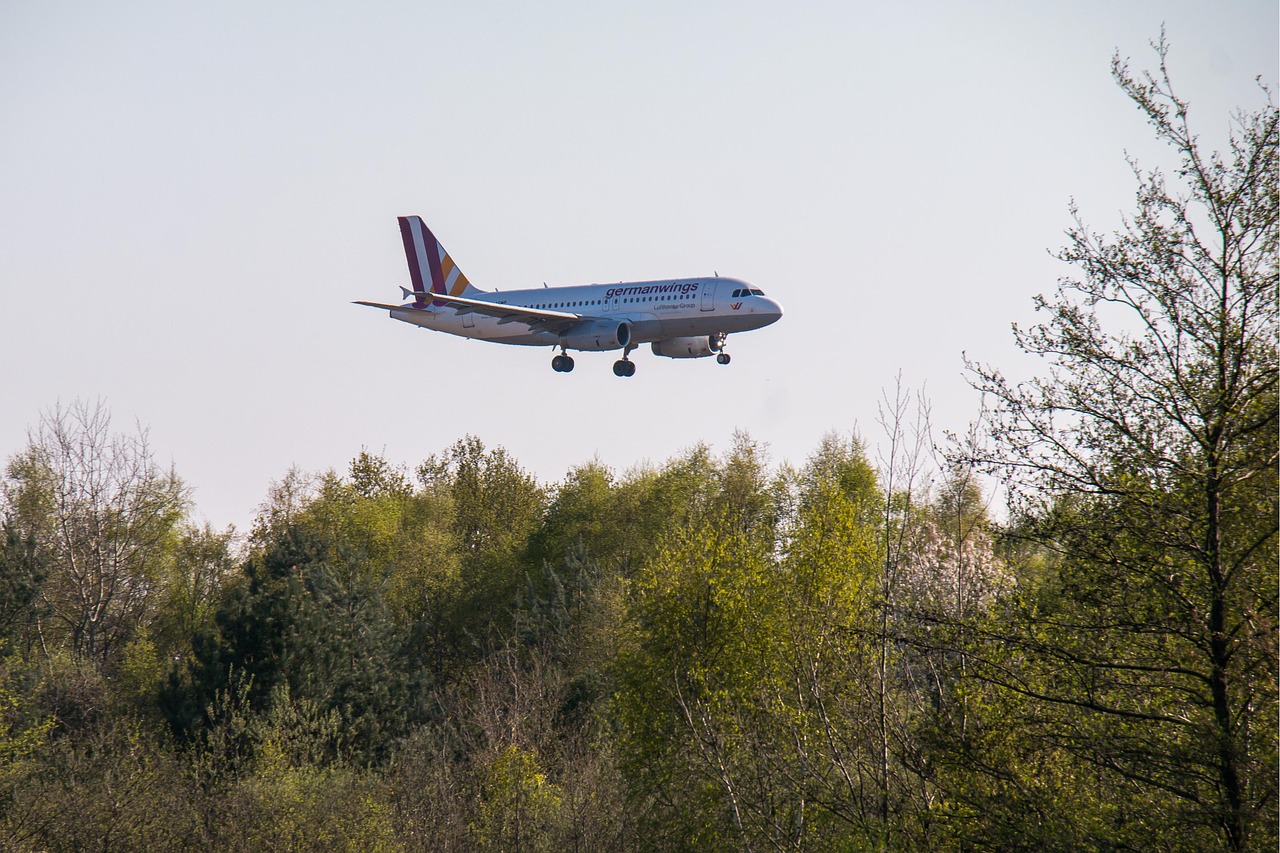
103	515
907	481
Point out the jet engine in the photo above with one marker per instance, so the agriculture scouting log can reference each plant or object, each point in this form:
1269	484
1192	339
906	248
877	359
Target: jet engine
695	347
597	336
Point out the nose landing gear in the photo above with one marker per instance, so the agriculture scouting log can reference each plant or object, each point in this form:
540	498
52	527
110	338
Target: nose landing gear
717	346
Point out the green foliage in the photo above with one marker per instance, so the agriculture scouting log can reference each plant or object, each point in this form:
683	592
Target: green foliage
690	659
520	805
582	514
103	516
1147	459
285	807
23	568
300	628
188	587
111	785
22	734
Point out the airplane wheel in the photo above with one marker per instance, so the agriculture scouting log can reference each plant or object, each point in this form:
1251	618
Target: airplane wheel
631	368
557	364
723	358
566	363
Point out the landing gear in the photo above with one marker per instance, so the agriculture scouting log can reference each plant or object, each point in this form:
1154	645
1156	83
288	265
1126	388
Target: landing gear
716	342
624	366
562	363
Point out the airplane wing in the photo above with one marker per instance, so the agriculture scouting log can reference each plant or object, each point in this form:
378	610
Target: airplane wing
537	319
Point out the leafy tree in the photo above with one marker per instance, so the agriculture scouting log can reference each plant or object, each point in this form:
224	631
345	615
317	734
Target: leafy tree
286	499
362	513
700	617
746	684
582	514
404	539
23	568
824	697
423	587
744	498
113	787
189	588
1147	458
300	628
22	733
521	806
496	507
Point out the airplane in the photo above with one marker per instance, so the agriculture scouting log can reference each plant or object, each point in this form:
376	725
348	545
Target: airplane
678	318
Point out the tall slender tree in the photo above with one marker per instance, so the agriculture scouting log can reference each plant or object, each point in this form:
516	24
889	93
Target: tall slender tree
1147	457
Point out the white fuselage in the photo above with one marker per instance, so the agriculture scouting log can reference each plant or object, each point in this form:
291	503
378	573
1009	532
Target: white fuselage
655	310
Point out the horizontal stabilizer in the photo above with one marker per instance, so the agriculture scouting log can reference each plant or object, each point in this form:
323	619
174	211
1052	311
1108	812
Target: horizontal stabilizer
390	307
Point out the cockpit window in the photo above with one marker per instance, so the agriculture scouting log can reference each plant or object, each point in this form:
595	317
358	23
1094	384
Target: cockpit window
755	291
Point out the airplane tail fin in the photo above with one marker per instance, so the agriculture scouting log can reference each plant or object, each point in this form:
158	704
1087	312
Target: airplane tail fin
430	266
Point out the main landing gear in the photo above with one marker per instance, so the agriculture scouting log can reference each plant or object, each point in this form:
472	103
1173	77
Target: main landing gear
562	363
625	366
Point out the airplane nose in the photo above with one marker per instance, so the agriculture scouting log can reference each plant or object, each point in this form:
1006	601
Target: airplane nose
771	309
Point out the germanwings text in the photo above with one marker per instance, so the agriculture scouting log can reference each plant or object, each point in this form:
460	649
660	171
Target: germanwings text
651	288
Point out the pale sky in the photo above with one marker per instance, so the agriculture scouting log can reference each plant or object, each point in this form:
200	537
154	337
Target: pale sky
191	194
